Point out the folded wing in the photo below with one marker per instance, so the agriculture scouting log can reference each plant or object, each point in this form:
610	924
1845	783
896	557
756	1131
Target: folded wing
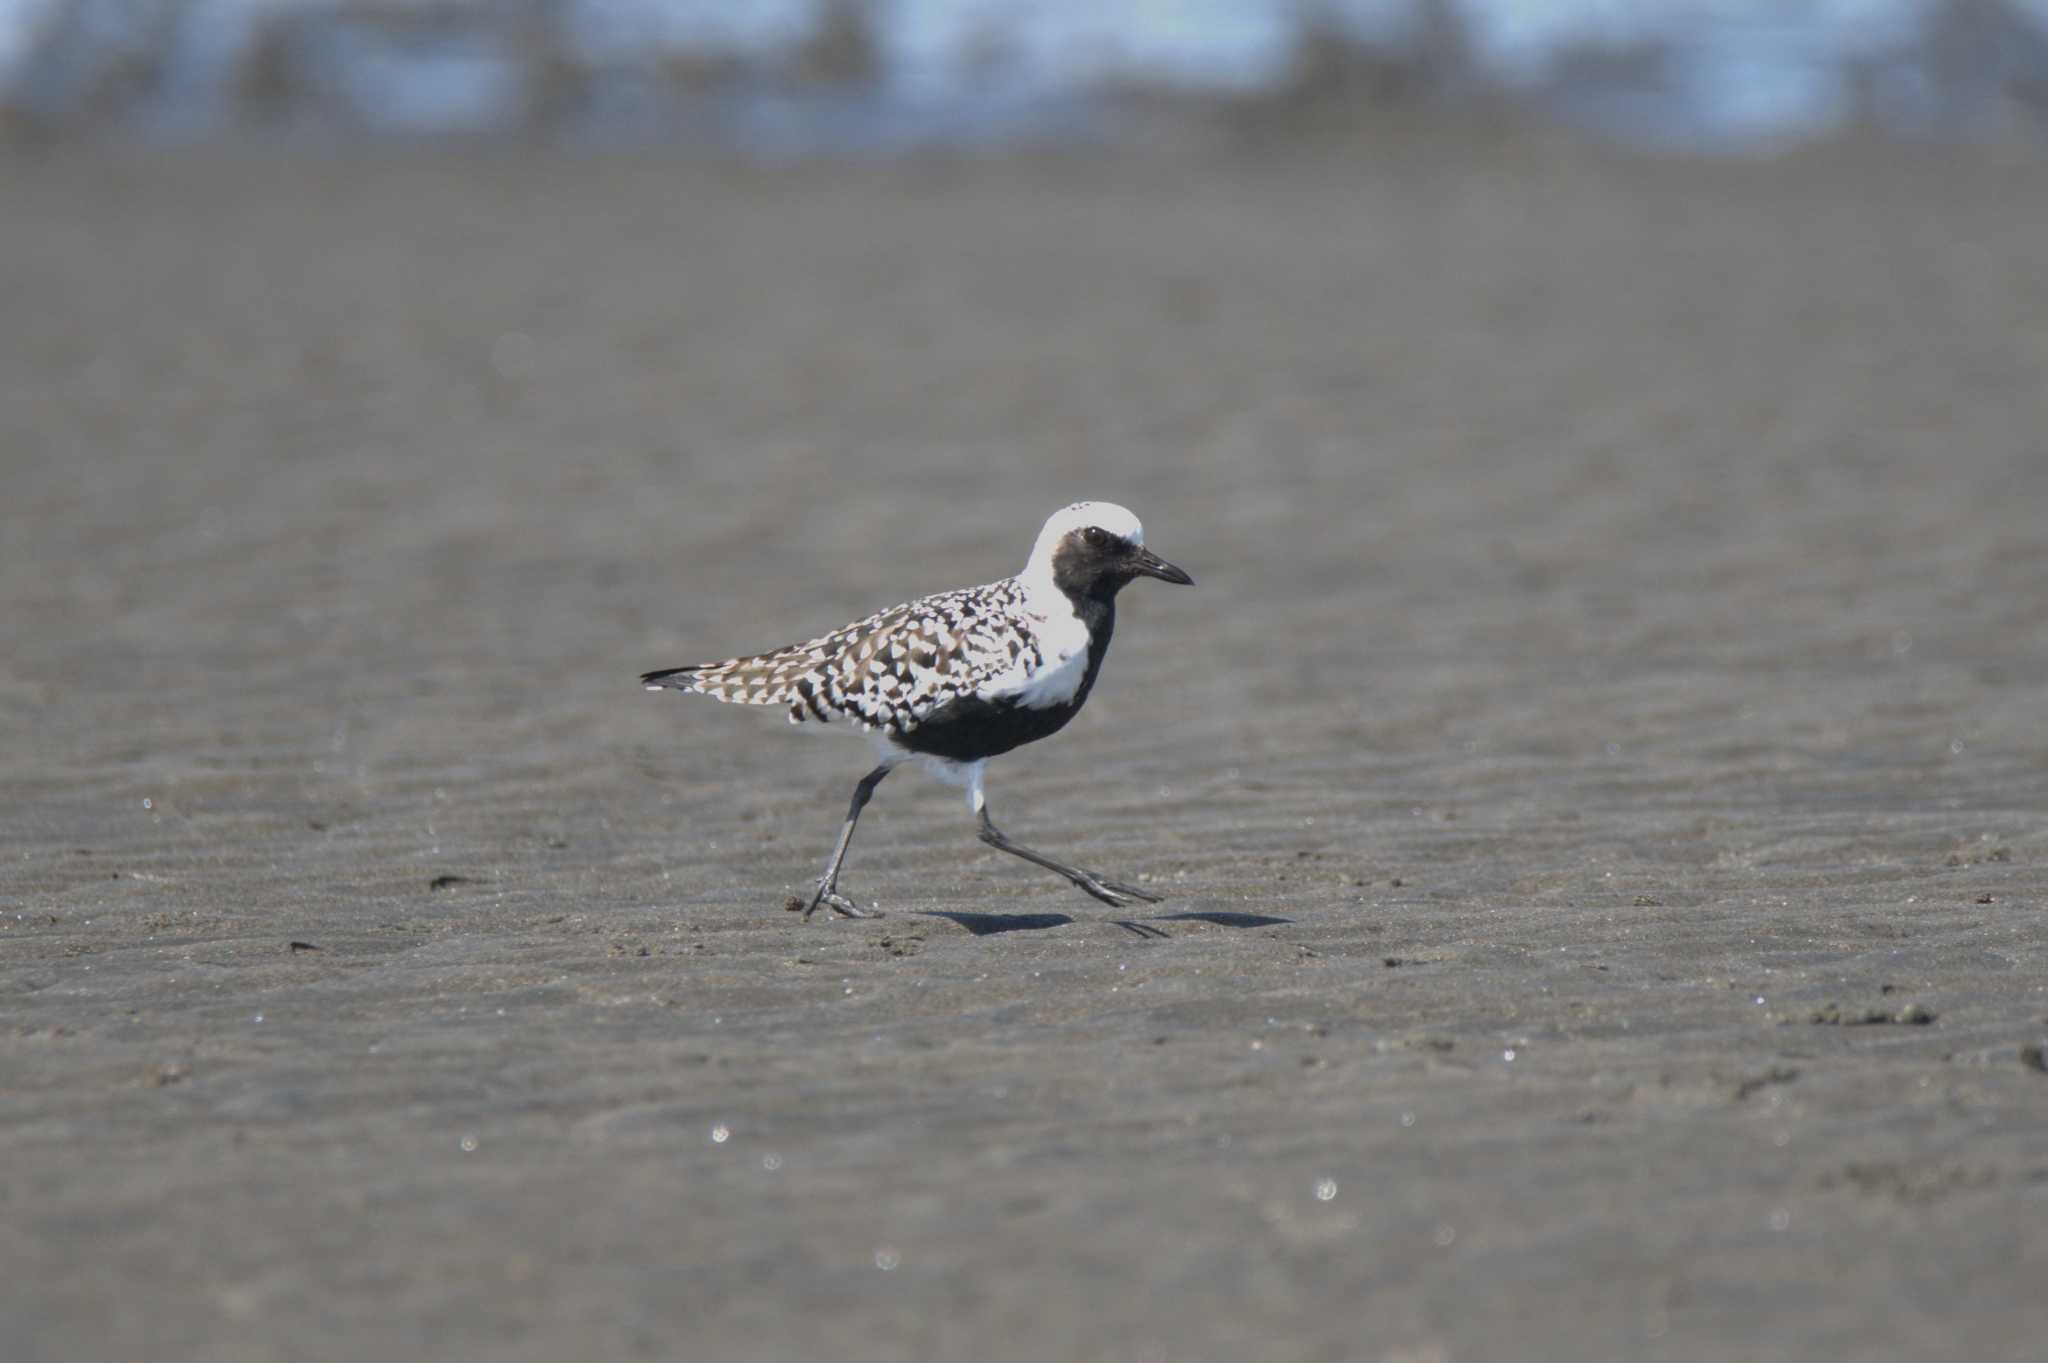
889	671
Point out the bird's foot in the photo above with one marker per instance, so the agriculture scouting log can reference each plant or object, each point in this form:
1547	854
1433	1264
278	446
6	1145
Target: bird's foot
827	895
1114	893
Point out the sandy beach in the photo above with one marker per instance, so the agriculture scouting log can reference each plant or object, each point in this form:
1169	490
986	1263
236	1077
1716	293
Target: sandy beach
1599	779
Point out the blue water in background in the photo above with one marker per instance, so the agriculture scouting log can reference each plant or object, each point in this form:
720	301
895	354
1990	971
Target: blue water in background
1737	73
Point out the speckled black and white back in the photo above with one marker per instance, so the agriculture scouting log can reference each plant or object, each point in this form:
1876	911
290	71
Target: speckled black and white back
891	670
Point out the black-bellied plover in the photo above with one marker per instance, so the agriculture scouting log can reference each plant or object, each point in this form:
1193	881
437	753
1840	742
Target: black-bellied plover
950	681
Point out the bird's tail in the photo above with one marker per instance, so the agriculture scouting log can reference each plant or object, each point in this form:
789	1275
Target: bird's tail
672	679
764	679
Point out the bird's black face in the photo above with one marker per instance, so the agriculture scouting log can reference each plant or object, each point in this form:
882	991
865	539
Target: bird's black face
1095	562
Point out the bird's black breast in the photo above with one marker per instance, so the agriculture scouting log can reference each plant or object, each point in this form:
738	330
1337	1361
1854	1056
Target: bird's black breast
971	728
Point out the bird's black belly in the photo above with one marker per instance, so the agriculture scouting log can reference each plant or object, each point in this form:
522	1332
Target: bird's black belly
970	729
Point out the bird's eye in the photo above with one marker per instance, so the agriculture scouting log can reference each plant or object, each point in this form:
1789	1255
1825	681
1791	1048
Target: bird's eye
1097	537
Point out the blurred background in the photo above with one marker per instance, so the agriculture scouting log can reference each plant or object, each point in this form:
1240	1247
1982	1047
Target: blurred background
802	76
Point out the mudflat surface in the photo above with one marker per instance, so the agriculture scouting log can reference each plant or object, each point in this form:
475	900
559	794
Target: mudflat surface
1600	778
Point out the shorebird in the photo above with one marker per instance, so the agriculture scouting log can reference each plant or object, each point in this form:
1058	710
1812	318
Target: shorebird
952	680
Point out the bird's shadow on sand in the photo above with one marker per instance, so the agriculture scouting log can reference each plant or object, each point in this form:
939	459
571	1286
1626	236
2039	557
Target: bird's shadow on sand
989	924
1223	919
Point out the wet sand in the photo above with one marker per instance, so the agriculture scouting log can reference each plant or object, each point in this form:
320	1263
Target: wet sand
1599	778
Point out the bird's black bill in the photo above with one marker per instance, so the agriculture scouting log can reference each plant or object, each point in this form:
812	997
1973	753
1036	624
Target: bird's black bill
1149	564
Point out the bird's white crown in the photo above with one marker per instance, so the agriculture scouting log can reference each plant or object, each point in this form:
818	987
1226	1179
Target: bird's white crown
1115	519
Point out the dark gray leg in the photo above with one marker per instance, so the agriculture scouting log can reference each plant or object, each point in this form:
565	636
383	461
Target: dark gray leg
1112	892
828	883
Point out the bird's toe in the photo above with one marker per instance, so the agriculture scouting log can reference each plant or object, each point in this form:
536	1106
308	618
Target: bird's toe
1115	892
1107	891
840	904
